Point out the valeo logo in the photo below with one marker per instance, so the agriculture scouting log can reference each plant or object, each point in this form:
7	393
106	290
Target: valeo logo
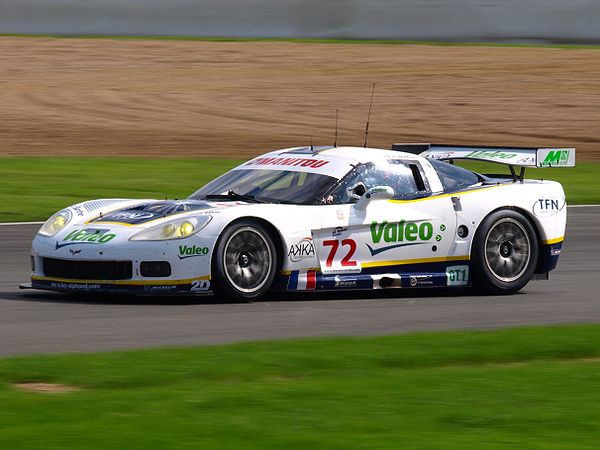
401	233
87	236
490	154
186	251
556	158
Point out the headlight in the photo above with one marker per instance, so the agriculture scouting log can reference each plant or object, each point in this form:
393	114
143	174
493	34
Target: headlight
56	223
176	229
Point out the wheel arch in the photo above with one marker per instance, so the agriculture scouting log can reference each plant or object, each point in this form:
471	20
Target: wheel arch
273	231
528	216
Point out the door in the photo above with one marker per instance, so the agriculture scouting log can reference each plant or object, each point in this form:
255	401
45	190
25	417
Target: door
413	228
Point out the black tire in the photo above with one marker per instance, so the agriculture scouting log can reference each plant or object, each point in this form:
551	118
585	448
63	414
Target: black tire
244	262
504	253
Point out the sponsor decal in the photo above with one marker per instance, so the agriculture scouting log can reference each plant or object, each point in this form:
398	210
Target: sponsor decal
340	256
421	280
302	250
345	283
556	158
90	236
457	275
446	155
129	216
186	251
200	285
548	206
403	233
160	288
78	210
298	162
339	213
490	154
526	160
74	286
151	211
400	231
302	280
337	231
74	252
555	251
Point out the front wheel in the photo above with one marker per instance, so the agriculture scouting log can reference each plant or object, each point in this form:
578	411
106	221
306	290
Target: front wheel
505	252
245	261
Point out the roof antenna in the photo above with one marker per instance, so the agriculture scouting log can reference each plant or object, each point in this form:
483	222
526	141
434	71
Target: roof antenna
312	147
336	127
369	116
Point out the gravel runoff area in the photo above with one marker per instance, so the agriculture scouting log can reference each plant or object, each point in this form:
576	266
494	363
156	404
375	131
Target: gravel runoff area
194	98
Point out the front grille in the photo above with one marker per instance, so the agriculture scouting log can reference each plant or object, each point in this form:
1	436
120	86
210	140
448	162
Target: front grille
87	270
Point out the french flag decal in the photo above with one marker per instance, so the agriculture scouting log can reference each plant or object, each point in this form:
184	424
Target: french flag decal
302	280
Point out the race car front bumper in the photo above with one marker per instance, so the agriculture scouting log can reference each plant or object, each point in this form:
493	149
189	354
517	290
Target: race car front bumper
197	286
122	266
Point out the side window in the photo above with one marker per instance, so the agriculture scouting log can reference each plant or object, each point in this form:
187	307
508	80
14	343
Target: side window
454	177
405	178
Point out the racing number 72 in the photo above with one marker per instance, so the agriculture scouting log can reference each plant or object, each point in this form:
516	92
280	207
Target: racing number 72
335	245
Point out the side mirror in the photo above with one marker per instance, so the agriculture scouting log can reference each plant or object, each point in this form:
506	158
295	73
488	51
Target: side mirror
375	193
357	191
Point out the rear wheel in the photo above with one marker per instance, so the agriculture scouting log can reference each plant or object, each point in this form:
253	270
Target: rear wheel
505	252
245	261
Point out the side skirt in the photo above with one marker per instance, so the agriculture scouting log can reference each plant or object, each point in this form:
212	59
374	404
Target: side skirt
451	274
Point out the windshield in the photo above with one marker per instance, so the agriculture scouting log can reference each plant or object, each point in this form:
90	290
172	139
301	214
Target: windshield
269	186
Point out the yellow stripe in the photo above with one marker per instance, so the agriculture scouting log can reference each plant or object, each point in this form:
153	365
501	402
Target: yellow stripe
122	282
416	261
91	222
453	194
553	241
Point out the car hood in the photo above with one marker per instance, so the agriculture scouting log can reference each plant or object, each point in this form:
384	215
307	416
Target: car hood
149	211
139	214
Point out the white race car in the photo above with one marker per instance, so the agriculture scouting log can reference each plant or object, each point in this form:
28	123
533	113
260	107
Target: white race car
320	218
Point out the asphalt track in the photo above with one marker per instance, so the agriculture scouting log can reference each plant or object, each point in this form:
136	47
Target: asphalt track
39	322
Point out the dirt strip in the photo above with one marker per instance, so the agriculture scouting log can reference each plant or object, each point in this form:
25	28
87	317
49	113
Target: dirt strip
163	98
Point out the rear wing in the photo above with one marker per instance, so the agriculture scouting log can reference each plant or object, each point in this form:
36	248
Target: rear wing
511	156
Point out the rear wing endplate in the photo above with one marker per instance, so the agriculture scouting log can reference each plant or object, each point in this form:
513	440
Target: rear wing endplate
510	156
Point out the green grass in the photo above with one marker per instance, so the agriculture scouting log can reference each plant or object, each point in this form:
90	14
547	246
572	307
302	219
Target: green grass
517	388
35	188
306	40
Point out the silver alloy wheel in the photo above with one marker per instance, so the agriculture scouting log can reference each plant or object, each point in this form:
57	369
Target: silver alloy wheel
247	259
507	249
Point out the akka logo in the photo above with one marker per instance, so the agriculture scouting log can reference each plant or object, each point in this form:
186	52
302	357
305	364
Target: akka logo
403	232
87	236
189	252
302	250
